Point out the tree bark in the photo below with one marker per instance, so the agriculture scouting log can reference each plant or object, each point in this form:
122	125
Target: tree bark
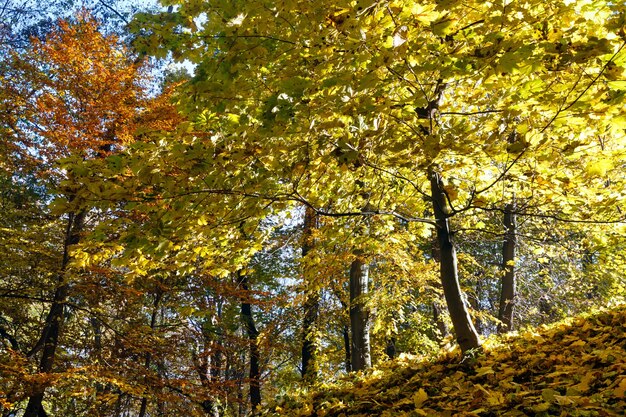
346	345
148	356
390	349
345	331
209	364
440	322
507	293
359	314
253	334
438	303
311	304
49	340
466	334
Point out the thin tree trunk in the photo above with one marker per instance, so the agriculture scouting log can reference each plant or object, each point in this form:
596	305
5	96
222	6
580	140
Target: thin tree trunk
507	294
311	303
96	356
346	344
204	367
49	340
148	357
466	334
390	349
474	302
253	334
345	332
209	365
440	322
359	314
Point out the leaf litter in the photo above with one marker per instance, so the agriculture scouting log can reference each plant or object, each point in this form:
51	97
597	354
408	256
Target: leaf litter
572	368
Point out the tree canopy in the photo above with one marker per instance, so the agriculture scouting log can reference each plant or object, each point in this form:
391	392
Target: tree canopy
333	184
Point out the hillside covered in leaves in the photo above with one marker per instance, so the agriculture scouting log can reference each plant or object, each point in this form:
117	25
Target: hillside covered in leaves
572	368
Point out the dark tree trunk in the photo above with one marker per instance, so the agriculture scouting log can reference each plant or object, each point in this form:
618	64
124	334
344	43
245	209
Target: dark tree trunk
466	334
390	349
96	356
205	367
148	356
359	314
507	294
144	406
346	344
253	334
49	340
311	303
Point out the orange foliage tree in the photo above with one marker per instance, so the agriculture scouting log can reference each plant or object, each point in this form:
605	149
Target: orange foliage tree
76	94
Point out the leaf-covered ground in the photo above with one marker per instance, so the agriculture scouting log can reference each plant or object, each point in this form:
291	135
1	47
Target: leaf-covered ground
572	368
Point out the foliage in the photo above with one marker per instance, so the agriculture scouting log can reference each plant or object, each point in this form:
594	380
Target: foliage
194	199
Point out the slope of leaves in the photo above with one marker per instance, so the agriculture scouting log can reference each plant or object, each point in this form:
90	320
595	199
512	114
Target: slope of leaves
572	368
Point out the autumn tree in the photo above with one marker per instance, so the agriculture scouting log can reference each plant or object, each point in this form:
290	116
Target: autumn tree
443	103
78	93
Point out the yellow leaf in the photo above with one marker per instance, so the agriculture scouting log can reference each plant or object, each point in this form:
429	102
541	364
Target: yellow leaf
599	167
233	118
548	394
495	398
563	400
541	407
620	390
419	397
424	13
484	371
585	381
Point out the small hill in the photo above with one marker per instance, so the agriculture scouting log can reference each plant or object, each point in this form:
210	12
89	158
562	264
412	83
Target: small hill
571	368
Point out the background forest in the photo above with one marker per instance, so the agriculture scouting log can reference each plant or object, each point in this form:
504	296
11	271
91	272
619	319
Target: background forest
206	205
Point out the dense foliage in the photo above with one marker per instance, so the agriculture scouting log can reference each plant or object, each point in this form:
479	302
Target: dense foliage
336	183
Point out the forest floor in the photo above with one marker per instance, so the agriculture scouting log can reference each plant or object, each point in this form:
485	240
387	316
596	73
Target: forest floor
572	368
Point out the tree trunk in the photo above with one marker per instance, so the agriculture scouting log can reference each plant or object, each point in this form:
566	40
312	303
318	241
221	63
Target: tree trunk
253	334
345	331
311	303
49	340
346	345
473	299
209	364
438	303
507	294
440	322
148	356
359	315
466	334
96	356
390	349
